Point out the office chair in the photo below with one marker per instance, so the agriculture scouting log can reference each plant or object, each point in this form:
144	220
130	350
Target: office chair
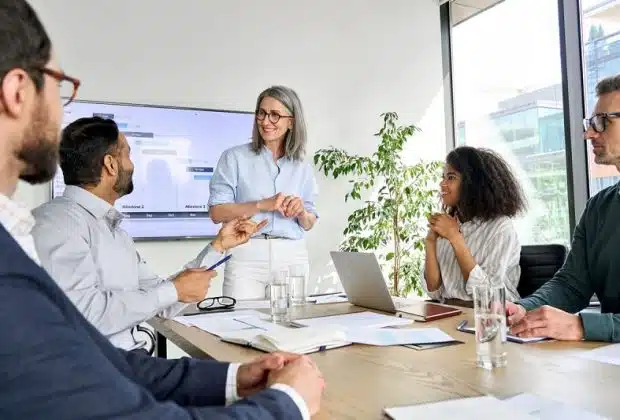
538	264
150	348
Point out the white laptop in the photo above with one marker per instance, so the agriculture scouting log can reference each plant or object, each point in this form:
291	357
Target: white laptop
363	281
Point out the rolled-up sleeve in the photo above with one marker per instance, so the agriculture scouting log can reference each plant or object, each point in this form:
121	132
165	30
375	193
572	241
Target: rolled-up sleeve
435	294
500	257
223	184
310	192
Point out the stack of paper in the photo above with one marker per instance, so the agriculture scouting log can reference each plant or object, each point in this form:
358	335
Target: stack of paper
254	329
463	409
355	320
219	323
548	409
523	406
398	336
319	300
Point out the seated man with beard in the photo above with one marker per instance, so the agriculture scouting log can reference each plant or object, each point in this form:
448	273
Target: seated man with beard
82	246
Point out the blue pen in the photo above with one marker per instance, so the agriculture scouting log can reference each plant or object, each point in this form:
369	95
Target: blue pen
220	262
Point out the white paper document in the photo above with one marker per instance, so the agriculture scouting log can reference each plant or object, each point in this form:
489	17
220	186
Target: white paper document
219	323
545	409
355	320
475	408
397	336
262	323
319	300
606	354
252	304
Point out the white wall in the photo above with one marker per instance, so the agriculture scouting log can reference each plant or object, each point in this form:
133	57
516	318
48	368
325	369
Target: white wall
349	60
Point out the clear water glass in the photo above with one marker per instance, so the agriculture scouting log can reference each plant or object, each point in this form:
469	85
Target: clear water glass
491	329
298	280
280	297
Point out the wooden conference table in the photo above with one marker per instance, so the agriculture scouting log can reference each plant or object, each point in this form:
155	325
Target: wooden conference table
362	380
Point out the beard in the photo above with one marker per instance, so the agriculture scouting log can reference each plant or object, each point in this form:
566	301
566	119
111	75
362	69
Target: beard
124	183
40	148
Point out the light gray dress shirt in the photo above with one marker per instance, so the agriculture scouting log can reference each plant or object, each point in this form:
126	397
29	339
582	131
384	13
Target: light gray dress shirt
82	246
495	247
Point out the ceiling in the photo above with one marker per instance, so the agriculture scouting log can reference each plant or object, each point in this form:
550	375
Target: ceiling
461	10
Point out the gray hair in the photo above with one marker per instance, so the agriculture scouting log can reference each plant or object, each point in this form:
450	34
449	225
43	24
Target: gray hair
295	141
608	85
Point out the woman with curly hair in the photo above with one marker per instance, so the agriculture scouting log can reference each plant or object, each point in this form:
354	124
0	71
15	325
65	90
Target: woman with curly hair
474	239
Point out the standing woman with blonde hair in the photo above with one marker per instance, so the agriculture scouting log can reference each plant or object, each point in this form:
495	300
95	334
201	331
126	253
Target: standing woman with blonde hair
267	179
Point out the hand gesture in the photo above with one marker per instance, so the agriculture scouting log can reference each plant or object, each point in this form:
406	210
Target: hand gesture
292	207
236	232
444	226
548	321
252	377
193	284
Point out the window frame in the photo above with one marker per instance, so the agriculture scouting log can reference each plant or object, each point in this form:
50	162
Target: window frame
573	98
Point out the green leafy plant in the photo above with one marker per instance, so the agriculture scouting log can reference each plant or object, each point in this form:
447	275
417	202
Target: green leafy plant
393	222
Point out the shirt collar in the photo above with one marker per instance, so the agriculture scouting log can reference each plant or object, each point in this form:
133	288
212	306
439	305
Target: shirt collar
15	217
99	208
267	153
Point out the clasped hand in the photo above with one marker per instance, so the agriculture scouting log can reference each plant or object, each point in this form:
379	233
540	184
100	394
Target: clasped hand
289	206
297	371
442	225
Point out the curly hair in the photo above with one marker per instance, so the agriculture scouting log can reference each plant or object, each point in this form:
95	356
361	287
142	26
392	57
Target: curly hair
489	189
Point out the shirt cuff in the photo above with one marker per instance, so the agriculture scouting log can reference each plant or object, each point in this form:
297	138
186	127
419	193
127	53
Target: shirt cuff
477	276
294	395
597	327
527	304
207	257
167	294
231	383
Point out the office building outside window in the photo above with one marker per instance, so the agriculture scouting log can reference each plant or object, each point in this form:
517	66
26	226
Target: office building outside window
508	97
601	37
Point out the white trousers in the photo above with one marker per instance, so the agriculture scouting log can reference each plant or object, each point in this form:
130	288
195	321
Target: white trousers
252	265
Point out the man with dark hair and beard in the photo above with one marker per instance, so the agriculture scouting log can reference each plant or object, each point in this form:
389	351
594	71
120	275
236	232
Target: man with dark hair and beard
81	244
54	363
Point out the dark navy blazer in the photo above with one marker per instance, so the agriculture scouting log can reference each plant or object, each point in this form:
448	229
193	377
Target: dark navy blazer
55	365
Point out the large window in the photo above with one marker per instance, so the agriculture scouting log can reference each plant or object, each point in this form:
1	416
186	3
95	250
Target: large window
601	37
508	97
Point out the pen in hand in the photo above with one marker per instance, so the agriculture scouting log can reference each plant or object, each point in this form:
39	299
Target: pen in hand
220	262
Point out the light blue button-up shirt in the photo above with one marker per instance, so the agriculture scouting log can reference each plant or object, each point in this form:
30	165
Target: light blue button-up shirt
82	246
242	175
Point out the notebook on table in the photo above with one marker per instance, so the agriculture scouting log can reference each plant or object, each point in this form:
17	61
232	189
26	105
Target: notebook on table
426	311
293	340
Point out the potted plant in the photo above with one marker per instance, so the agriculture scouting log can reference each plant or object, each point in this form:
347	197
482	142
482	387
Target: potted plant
393	222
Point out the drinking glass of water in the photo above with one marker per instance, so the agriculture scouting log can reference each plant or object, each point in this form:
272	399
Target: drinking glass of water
280	297
491	330
298	275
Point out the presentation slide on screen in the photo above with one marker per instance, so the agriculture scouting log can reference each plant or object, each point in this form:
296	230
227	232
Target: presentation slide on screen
174	152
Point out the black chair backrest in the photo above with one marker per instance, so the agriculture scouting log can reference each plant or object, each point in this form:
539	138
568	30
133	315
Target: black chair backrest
538	264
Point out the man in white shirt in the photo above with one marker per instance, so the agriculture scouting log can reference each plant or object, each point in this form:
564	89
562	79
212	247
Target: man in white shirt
59	365
83	247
